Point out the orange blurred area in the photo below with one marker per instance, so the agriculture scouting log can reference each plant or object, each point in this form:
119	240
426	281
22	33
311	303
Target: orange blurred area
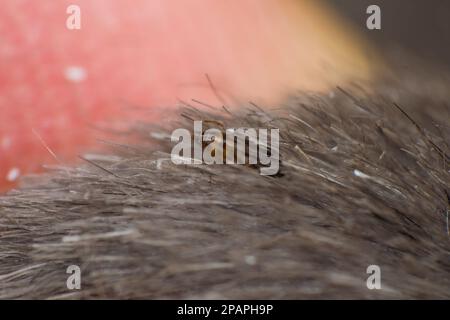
56	83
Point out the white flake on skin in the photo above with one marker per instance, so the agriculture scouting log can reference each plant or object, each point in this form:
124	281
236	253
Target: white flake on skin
75	74
13	174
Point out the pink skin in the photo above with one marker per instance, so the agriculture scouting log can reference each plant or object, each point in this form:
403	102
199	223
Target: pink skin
56	83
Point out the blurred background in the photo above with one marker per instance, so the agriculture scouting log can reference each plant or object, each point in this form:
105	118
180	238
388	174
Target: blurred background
420	27
60	88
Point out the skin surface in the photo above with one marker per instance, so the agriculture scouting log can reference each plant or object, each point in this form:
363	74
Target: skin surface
57	84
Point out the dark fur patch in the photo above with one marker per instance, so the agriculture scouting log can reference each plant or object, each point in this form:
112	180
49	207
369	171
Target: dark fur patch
359	185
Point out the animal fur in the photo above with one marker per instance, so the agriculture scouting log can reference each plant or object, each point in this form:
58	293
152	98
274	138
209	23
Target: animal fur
362	182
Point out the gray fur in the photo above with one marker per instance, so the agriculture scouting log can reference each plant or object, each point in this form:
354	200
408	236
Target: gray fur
141	227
